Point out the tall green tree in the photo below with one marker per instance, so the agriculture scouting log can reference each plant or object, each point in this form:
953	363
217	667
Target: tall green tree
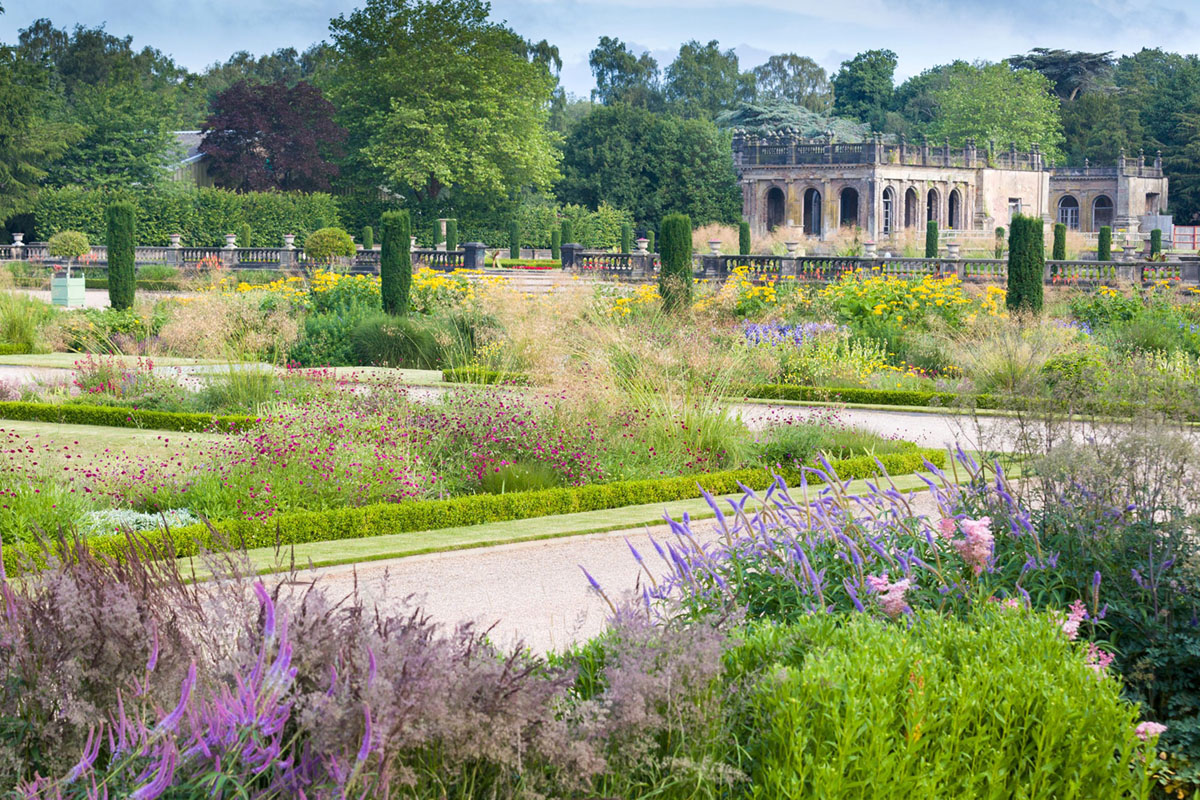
789	78
122	277
863	87
436	96
650	165
704	80
996	102
1026	265
622	77
675	274
29	144
1070	71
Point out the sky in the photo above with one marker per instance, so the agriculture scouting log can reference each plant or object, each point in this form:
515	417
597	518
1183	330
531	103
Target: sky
921	32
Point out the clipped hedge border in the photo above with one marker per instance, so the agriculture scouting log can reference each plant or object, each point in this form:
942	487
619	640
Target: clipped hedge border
882	397
302	527
14	349
73	414
483	375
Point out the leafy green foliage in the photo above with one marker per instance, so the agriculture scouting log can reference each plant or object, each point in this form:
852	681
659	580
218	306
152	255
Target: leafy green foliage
435	96
622	77
744	238
675	275
1155	242
243	236
626	238
555	244
514	240
68	244
789	78
703	81
391	341
122	276
1026	265
452	234
1059	250
931	239
1104	244
328	244
395	262
368	237
862	88
568	232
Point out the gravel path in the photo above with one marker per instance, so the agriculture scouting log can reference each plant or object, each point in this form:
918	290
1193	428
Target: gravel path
532	592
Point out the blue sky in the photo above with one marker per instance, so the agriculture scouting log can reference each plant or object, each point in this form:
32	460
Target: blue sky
922	32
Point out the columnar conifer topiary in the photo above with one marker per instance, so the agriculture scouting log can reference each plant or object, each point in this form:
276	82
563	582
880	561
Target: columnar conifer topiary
555	243
243	237
626	237
122	277
744	238
1104	246
368	237
1026	264
437	234
675	276
395	261
451	234
1059	250
568	232
650	241
1000	241
514	240
1155	242
931	239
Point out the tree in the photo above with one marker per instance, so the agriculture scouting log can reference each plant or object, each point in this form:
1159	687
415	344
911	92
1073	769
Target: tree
271	136
1070	71
451	235
1155	242
1104	244
514	240
993	102
675	275
28	143
368	237
798	80
650	165
435	96
556	244
243	237
122	277
916	100
931	239
1026	265
703	81
395	262
626	238
863	87
743	238
622	77
568	232
1058	250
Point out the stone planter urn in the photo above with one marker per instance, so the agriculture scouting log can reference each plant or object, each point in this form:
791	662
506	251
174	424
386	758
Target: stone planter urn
231	241
791	248
952	249
289	241
714	247
176	241
641	245
869	250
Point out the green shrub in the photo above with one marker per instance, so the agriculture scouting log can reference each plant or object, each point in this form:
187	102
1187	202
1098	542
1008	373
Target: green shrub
1026	265
1075	373
368	237
1000	242
514	240
1059	250
523	477
626	238
675	275
329	244
1104	245
1001	705
358	522
395	262
14	349
650	241
243	236
437	234
68	244
122	276
74	414
452	235
931	239
395	341
568	232
22	320
555	243
743	238
1155	242
474	374
325	338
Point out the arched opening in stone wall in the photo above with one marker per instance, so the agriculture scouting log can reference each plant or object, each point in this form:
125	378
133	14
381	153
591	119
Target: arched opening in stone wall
911	220
889	211
776	208
1102	212
932	206
812	213
954	211
849	210
1068	212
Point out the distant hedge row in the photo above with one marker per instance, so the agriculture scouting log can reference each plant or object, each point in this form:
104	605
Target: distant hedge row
203	216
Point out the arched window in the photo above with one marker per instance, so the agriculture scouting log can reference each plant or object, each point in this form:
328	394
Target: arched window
954	212
889	211
849	210
812	213
932	206
1102	212
911	218
775	208
1068	212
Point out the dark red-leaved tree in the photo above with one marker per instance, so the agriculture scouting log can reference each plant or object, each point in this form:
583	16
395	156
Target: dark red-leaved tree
272	136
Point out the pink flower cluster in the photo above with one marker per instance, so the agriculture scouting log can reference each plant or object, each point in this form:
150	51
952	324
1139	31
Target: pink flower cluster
891	595
1098	659
1148	730
976	545
1075	616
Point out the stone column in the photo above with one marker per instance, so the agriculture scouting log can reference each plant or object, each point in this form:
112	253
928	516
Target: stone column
714	265
18	246
474	255
230	256
570	253
174	258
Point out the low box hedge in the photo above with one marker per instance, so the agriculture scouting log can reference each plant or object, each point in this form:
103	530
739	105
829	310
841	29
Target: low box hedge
78	414
14	349
853	394
483	375
301	527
